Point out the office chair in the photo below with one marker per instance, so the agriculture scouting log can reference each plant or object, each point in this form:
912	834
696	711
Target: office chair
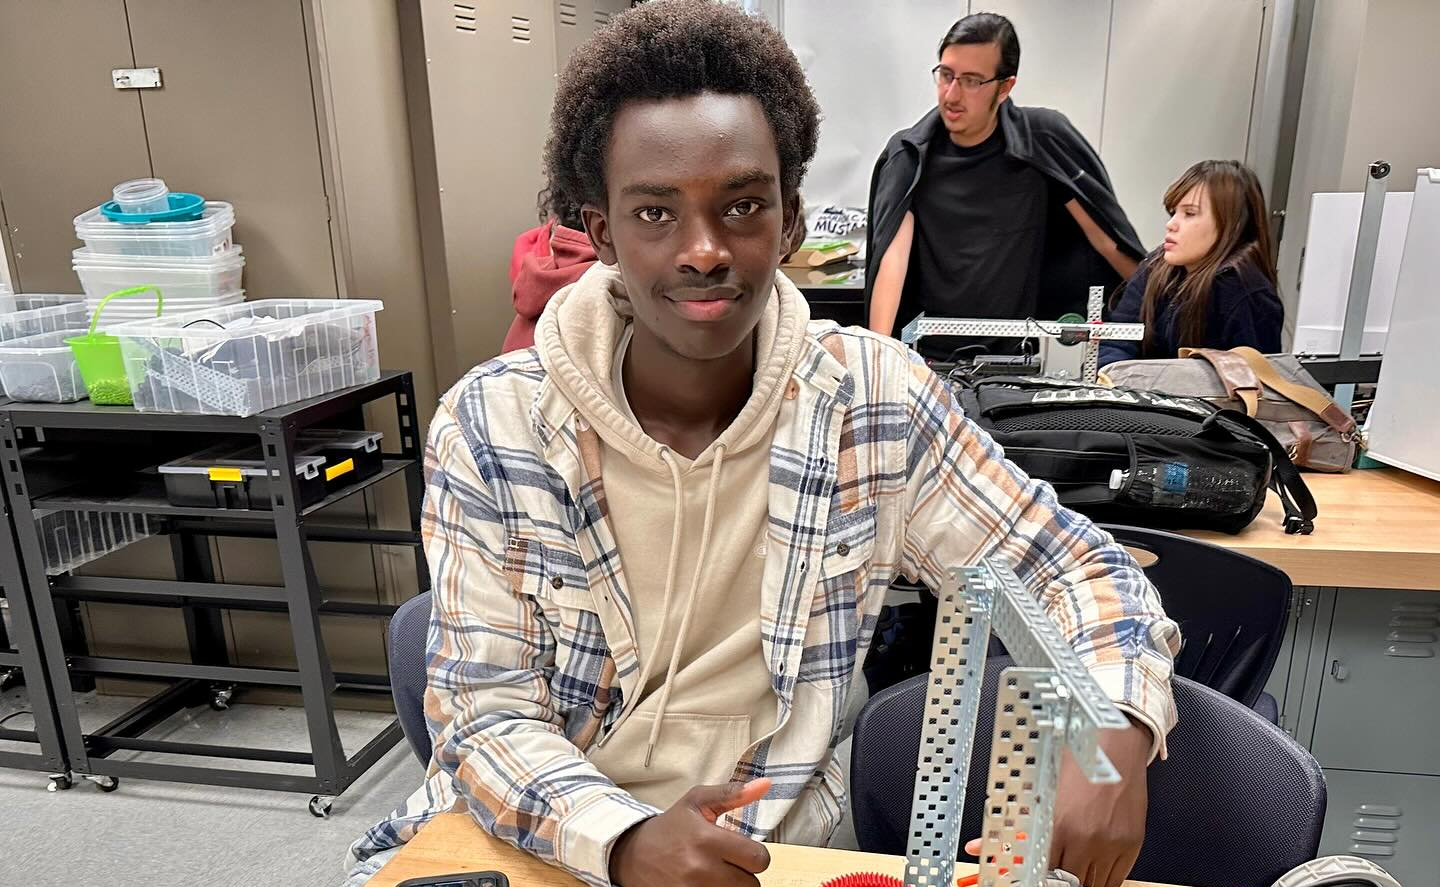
1231	609
409	628
1237	802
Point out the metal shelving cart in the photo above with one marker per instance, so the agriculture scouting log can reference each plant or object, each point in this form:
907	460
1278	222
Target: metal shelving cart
38	445
37	747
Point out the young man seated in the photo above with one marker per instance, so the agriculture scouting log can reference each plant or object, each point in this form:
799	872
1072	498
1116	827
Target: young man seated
660	539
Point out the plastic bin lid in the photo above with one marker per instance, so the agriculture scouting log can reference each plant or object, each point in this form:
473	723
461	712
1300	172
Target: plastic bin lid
217	217
369	441
85	257
52	341
223	464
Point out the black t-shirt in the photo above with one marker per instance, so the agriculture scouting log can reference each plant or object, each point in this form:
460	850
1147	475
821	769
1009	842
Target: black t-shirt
979	237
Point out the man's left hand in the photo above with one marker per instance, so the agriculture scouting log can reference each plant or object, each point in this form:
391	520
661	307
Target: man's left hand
1099	828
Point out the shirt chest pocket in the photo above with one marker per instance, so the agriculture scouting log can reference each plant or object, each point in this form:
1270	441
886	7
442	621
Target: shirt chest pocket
832	633
556	581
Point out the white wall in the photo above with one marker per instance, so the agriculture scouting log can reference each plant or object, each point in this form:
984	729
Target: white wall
1154	84
1395	112
1372	87
1335	40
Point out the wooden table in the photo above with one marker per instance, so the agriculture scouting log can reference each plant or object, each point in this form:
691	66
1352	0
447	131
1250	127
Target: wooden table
1378	528
453	843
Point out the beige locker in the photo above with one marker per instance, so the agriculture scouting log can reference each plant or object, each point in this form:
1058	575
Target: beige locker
284	108
67	136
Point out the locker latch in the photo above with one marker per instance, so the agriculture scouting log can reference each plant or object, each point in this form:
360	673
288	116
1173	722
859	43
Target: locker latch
136	78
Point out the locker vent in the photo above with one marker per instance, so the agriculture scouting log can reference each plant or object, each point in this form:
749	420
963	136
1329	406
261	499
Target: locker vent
1414	631
602	18
1377	828
569	15
519	29
465	18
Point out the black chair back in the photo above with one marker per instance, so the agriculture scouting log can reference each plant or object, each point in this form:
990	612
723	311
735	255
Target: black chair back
1231	609
409	628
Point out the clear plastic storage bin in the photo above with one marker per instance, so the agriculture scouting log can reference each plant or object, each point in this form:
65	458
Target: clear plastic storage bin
35	321
250	357
31	301
131	310
206	236
72	539
41	368
205	277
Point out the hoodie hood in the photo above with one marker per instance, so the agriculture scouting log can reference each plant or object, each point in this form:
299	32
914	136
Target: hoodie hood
545	259
578	335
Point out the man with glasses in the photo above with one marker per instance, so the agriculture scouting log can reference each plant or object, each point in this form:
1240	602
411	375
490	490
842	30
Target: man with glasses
987	209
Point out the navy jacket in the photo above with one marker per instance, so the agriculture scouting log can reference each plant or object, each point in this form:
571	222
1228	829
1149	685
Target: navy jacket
1244	310
1047	141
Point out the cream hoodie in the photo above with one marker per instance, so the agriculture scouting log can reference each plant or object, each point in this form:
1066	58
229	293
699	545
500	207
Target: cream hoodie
691	537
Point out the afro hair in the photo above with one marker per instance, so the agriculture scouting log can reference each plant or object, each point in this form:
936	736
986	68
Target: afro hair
675	49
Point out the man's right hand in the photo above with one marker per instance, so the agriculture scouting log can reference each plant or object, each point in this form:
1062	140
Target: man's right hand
683	845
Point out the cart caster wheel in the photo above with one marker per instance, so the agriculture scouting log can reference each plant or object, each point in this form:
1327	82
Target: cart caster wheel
59	782
221	700
106	784
320	806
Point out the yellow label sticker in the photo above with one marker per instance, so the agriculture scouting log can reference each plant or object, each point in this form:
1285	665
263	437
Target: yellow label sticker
234	475
339	468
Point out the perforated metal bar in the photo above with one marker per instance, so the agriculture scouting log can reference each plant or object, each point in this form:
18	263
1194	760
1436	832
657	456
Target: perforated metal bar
1033	640
1030	709
952	706
1050	702
923	326
1095	308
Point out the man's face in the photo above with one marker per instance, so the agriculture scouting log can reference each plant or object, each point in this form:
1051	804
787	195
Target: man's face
970	111
695	218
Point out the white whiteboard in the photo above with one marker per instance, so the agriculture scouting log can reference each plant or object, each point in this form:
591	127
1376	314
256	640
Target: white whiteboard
1404	422
869	65
1329	259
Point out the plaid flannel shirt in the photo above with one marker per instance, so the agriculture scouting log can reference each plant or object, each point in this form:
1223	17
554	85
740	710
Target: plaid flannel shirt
874	471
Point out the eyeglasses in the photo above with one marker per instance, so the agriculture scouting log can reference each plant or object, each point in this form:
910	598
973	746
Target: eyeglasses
968	82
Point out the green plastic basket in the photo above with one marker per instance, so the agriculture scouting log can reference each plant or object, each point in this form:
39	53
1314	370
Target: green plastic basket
98	355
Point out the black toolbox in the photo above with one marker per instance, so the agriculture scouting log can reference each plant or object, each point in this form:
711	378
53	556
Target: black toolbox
350	456
231	478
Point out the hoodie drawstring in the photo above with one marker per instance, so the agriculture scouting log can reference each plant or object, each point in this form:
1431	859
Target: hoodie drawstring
694	587
676	534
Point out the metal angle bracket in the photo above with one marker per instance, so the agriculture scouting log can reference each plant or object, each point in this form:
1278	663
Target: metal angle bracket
1049	701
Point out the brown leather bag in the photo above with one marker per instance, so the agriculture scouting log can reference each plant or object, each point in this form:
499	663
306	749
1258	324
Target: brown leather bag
1275	390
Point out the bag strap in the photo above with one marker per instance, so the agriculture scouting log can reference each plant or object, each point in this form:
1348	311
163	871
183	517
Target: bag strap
1312	400
1285	479
1240	381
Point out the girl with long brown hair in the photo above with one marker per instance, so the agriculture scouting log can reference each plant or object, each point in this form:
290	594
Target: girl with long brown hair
1212	283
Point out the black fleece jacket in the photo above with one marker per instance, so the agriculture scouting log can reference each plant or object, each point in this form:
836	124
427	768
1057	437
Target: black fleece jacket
1048	142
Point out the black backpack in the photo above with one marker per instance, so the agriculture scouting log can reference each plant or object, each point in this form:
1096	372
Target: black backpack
1142	458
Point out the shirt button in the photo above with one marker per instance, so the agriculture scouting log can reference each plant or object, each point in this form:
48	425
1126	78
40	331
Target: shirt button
842	549
557	582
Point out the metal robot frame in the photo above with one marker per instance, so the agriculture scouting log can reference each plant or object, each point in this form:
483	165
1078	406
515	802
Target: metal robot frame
1047	702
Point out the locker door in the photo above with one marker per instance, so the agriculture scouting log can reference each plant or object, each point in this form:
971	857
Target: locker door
236	121
1388	819
67	135
491	80
576	20
1382	668
1171	102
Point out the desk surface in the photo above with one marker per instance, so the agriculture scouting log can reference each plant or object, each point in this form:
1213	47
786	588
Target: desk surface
452	843
1378	528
